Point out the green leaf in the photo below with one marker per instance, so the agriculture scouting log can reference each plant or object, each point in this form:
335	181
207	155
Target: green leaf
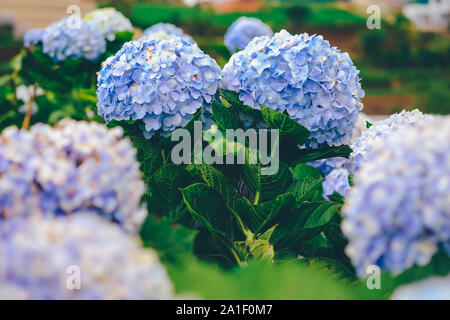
306	189
286	125
273	185
172	241
274	211
207	206
215	179
322	215
303	170
296	156
232	98
163	189
224	117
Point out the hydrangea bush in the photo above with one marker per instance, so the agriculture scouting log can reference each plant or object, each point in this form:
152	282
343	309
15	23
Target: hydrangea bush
38	256
74	167
304	76
161	82
397	214
80	190
243	30
166	31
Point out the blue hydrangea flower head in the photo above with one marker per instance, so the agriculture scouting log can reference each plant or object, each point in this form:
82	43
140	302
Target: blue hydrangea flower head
38	256
380	130
161	82
73	167
336	181
166	31
304	76
108	21
398	212
33	37
72	39
434	288
244	30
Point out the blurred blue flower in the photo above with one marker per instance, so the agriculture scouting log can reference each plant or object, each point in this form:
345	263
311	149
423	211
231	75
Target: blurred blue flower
39	257
68	38
243	30
435	288
161	82
336	181
325	166
166	31
380	130
33	36
316	84
398	212
108	21
76	166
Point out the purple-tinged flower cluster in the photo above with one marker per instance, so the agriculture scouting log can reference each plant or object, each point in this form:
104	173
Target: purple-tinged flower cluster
166	31
68	39
74	167
379	131
161	82
336	181
398	212
435	288
77	257
108	21
244	30
316	84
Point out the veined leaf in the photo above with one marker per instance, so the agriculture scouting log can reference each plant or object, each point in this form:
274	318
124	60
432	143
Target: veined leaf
286	125
224	117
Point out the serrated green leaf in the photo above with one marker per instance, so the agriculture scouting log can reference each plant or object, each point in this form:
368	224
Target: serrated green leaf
297	156
306	189
207	206
322	215
286	125
224	117
274	211
163	193
215	179
273	185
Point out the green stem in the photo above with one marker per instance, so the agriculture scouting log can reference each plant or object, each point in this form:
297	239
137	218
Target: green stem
255	202
240	263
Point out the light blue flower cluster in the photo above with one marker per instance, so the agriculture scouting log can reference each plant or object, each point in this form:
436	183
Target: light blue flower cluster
108	21
76	166
68	38
161	82
336	172
166	31
244	30
33	37
336	181
325	166
435	288
398	212
77	257
379	130
316	84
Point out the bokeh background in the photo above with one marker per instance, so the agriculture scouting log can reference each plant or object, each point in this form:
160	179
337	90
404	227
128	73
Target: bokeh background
404	65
